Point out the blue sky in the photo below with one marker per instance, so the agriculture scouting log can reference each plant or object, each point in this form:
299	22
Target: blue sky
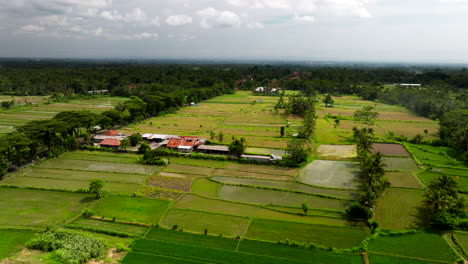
340	30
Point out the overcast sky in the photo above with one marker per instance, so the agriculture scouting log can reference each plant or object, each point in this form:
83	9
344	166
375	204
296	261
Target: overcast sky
341	30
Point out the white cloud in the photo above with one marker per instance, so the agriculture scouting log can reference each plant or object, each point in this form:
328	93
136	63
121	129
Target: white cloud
137	15
211	17
454	1
303	19
178	20
143	35
32	28
255	25
354	8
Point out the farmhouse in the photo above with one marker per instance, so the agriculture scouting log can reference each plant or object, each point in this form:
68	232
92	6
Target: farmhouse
410	84
218	149
112	143
112	134
184	144
261	158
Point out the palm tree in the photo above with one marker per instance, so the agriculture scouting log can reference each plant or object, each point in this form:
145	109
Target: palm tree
446	184
437	200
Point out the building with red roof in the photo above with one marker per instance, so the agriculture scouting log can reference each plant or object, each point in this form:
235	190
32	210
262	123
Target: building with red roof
183	144
110	143
111	133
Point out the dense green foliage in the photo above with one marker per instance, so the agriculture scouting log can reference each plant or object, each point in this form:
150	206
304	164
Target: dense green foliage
68	248
454	131
445	207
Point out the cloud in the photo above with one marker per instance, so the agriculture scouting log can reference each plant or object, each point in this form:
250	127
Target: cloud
211	17
255	25
143	35
178	20
353	8
303	19
137	15
32	28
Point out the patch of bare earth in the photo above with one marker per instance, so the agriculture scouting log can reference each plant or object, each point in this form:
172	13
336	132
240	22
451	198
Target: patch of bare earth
112	257
389	149
170	182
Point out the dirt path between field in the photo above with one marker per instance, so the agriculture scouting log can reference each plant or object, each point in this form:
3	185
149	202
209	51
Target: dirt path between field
365	259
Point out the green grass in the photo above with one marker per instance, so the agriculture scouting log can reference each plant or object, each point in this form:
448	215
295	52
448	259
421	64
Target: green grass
252	174
64	174
400	164
145	258
199	162
204	187
13	241
91	224
398	208
276	197
89	165
37	208
101	156
197	221
435	156
138	209
308	255
203	253
198	203
402	179
188	169
379	259
422	245
452	171
462	238
286	185
265	169
428	177
69	184
192	239
338	237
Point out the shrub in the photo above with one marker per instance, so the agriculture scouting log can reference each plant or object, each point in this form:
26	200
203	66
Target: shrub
87	212
357	211
119	247
68	248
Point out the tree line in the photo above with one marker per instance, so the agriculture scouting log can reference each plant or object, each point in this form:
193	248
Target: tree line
68	130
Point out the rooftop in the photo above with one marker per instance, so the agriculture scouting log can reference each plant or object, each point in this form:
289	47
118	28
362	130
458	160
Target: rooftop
110	142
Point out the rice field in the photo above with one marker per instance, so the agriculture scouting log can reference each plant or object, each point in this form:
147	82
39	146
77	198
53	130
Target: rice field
199	203
106	226
422	245
276	197
399	164
133	209
192	239
331	236
213	223
398	209
39	208
428	177
331	174
13	241
75	170
402	179
339	151
234	115
286	185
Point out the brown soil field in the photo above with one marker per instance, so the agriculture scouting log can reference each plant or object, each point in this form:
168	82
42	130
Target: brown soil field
389	149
